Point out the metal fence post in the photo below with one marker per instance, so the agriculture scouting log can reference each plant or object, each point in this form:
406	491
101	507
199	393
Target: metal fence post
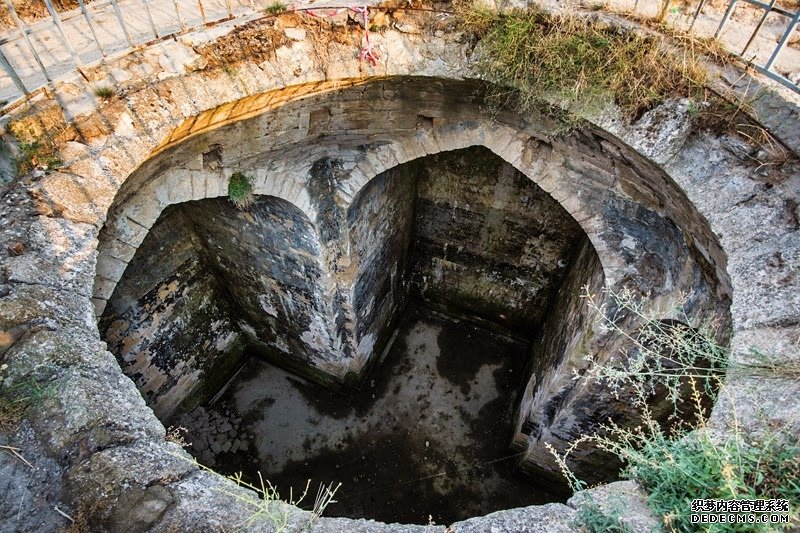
121	20
178	14
12	73
60	28
792	23
150	18
202	11
88	18
24	31
752	38
725	17
697	13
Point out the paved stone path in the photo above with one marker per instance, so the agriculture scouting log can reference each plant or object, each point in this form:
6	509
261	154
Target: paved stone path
168	20
58	61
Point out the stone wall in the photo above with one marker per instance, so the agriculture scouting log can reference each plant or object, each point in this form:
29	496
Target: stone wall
209	278
169	323
381	220
268	260
488	245
489	242
566	333
617	197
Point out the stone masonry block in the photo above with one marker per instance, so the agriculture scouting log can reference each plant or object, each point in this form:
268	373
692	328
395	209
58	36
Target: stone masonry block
180	187
129	231
99	306
110	268
103	288
144	209
118	249
198	181
412	148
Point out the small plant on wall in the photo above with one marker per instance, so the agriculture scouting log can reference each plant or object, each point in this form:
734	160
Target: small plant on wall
104	93
276	8
240	190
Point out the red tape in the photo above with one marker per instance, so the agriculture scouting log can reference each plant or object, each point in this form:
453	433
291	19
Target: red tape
367	52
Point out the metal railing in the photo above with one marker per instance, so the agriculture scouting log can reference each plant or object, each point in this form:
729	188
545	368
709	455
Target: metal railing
17	69
31	68
766	68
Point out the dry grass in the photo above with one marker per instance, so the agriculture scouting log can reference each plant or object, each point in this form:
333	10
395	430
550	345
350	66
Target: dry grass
582	66
533	58
728	112
41	154
31	11
252	41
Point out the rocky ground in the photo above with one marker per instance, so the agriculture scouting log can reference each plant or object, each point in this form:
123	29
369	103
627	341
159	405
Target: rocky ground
214	432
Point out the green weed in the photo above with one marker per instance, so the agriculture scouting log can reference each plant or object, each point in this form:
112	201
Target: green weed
104	93
591	517
37	154
17	399
240	190
275	8
685	460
